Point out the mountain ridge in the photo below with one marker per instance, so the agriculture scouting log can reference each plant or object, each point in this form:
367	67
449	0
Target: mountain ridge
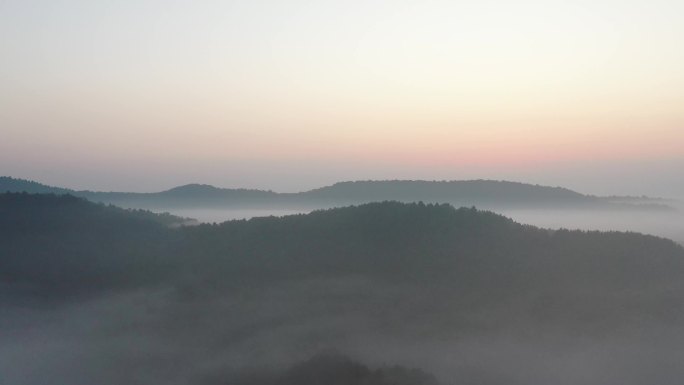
479	192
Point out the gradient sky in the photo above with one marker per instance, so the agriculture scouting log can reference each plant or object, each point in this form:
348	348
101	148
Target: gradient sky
288	95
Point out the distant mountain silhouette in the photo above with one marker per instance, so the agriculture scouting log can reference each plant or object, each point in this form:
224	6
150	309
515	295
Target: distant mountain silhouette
471	192
211	195
481	193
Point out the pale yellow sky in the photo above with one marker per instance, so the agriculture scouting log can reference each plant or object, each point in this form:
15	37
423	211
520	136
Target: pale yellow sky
289	94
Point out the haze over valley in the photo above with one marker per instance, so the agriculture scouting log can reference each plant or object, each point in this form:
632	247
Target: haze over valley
376	192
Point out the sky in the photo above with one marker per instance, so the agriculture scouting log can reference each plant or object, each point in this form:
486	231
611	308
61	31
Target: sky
289	95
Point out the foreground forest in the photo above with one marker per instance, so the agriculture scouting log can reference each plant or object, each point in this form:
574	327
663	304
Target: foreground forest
98	294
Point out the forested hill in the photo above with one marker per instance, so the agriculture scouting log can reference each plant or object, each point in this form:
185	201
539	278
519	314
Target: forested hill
481	193
486	191
415	279
60	245
48	238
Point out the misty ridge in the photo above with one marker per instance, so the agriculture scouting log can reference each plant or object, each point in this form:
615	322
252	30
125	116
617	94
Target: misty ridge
542	206
487	194
402	293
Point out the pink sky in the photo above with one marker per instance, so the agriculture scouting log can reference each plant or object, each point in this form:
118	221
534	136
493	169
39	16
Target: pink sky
289	95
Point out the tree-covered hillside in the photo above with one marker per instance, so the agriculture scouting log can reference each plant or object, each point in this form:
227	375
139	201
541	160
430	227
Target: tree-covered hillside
60	245
207	303
66	243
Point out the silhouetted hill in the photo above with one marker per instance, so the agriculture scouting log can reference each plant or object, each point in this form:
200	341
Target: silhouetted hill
191	195
58	245
211	195
392	241
481	193
471	191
